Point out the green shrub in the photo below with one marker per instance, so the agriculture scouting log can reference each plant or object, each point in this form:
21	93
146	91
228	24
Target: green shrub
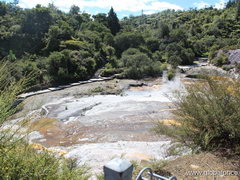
164	66
111	71
97	90
211	55
220	60
158	56
232	47
238	68
174	60
76	45
138	65
209	114
126	40
70	66
227	67
170	74
23	162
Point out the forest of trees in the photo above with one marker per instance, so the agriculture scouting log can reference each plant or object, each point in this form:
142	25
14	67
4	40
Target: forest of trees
64	47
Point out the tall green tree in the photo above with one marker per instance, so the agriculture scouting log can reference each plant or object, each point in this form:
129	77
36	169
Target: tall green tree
3	8
126	40
15	2
74	10
164	31
230	3
238	10
113	22
101	18
37	21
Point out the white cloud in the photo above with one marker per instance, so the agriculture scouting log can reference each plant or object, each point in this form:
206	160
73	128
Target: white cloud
159	6
201	5
118	5
149	12
220	4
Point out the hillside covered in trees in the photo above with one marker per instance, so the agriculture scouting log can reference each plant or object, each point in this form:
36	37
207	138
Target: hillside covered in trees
64	47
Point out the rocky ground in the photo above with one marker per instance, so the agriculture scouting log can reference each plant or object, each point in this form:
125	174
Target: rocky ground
101	120
193	167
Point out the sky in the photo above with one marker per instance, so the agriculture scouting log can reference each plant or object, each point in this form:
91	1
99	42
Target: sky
124	7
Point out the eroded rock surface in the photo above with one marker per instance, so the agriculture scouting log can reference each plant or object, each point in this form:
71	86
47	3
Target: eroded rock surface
94	127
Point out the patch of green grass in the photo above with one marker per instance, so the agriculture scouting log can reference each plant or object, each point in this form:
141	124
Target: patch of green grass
98	90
